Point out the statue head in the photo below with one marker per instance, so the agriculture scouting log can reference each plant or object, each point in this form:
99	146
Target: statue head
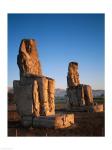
28	45
73	67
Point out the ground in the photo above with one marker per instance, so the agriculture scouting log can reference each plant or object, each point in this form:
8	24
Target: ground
86	124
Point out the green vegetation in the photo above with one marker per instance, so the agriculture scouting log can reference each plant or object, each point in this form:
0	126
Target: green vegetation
99	100
60	102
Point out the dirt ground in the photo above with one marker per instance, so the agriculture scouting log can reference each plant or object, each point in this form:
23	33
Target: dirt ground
86	124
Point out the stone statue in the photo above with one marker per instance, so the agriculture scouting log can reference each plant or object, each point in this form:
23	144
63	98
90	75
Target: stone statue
78	94
34	91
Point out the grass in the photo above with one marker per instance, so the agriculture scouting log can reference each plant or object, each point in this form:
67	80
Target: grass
60	103
99	100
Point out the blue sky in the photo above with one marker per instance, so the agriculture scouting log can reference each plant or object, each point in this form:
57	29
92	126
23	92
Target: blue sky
61	38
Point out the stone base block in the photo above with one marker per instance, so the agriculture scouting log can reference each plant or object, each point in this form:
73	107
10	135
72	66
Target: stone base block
99	108
57	121
23	97
26	121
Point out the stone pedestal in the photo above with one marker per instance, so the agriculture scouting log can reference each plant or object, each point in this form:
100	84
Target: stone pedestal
55	121
99	108
26	121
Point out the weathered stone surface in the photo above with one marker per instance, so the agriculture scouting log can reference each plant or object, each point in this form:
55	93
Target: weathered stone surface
51	93
32	97
36	102
23	98
54	121
73	75
98	108
57	121
64	121
26	121
34	93
77	94
44	121
88	96
28	60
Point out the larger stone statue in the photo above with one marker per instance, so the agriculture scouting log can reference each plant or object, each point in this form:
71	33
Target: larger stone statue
78	94
34	93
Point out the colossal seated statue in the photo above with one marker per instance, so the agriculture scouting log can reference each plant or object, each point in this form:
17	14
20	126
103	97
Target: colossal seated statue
34	93
78	94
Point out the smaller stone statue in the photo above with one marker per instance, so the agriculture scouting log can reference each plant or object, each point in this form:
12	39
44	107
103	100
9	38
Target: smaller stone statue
78	94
